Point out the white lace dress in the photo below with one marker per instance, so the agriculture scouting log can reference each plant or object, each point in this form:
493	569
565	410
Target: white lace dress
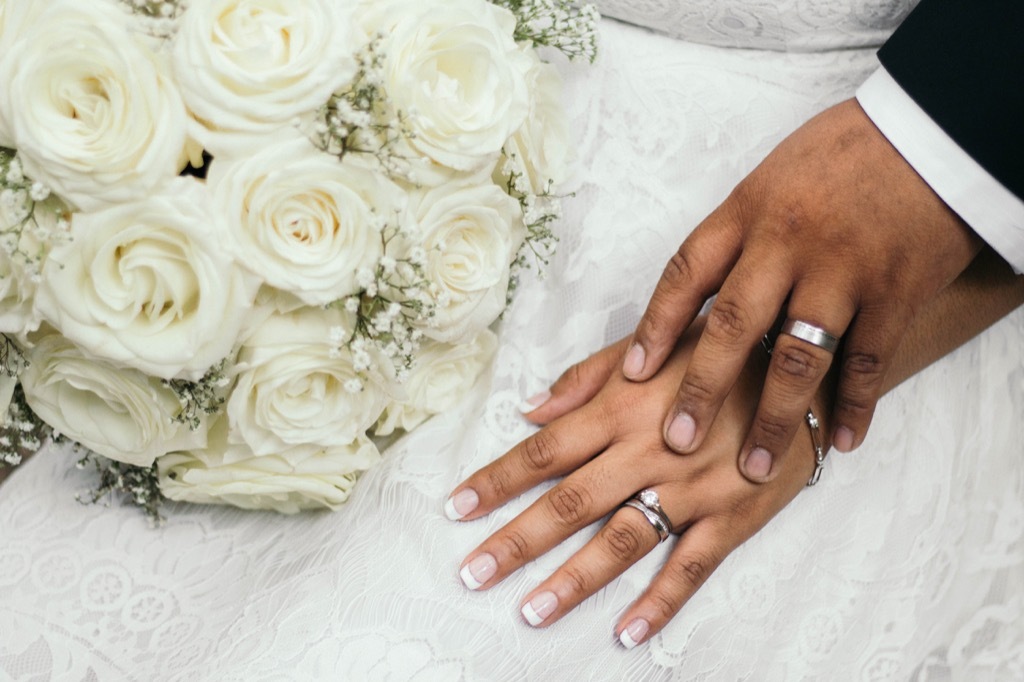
906	562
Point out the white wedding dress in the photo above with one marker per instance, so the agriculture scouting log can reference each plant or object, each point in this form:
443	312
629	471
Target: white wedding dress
905	563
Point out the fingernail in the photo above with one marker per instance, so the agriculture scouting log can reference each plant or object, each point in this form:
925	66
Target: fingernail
634	362
531	404
634	633
681	431
460	504
478	571
539	608
759	463
843	440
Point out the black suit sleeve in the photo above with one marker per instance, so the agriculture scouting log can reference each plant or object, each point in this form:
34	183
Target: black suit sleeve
962	61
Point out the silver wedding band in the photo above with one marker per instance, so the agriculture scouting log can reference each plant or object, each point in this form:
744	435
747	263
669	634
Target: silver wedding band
816	336
647	503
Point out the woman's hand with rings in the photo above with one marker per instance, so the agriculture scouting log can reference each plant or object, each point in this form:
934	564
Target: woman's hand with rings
835	230
603	435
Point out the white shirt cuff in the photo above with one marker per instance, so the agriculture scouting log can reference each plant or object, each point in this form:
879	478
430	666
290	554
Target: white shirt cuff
992	211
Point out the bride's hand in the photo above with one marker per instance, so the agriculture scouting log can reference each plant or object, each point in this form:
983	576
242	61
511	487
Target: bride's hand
604	435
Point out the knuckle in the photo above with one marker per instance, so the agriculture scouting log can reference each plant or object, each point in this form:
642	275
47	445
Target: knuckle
514	545
691	571
539	450
499	483
898	269
863	367
568	504
577	579
695	389
573	376
855	404
622	540
656	322
748	197
680	269
797	363
664	605
773	426
727	321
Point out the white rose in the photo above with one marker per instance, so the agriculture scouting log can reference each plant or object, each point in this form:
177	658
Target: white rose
287	481
11	18
119	413
148	284
301	220
442	375
542	144
248	68
456	67
87	104
471	232
294	392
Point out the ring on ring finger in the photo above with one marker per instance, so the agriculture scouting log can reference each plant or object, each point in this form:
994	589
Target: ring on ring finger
816	336
647	503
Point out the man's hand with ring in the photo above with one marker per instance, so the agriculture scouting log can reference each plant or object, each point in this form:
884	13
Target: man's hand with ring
833	232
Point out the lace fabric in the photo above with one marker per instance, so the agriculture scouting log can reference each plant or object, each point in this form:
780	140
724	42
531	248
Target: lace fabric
784	25
905	563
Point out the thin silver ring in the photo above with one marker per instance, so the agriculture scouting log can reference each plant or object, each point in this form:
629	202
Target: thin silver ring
816	336
647	503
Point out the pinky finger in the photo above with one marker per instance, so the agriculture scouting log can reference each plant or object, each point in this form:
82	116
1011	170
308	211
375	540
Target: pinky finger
869	347
698	553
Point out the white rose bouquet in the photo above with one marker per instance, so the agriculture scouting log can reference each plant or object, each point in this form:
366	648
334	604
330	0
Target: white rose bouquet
243	241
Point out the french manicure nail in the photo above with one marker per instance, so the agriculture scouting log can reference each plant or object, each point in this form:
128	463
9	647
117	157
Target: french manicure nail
759	463
478	571
633	365
539	608
460	504
531	404
681	431
843	439
634	633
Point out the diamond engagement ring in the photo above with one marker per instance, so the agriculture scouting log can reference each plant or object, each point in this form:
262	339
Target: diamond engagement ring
816	336
647	503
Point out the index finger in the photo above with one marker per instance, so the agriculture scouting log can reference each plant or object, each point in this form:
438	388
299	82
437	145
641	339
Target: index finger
692	275
560	447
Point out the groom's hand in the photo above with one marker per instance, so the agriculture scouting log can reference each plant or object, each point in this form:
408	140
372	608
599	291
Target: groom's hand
834	229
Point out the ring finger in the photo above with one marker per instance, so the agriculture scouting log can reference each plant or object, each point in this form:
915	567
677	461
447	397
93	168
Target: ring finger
797	368
626	538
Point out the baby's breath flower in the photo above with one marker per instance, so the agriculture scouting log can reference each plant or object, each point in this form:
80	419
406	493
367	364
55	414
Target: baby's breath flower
159	18
21	432
540	211
139	486
31	219
561	24
393	300
200	398
360	119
